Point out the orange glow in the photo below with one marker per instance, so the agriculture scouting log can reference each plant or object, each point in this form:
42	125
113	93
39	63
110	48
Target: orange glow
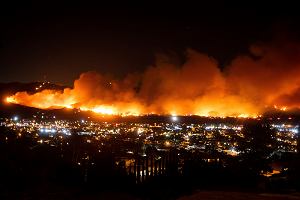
167	144
247	87
48	99
281	108
104	110
107	110
118	109
10	99
126	103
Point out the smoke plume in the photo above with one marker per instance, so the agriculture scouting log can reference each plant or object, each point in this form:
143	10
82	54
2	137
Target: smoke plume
248	86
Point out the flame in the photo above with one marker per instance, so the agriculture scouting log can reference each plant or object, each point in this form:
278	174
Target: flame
54	99
281	108
107	110
51	99
11	99
247	87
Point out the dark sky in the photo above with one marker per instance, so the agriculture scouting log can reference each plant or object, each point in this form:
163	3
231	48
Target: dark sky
60	41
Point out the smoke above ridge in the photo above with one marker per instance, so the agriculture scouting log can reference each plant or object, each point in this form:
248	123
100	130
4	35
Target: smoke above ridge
268	77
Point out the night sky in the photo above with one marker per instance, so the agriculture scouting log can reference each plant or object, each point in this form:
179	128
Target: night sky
60	41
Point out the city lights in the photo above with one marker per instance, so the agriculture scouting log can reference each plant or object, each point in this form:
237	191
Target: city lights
174	118
195	136
15	118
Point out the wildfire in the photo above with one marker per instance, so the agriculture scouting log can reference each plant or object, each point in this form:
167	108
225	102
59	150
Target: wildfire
282	108
106	110
49	99
109	110
10	99
126	103
247	87
112	109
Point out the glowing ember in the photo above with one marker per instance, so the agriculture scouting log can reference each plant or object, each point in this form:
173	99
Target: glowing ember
282	108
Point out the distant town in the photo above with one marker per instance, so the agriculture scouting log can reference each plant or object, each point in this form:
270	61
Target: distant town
127	140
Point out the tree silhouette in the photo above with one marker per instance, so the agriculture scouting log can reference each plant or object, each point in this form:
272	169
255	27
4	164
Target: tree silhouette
257	145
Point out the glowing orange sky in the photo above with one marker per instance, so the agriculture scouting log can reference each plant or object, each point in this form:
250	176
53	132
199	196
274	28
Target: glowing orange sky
246	87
